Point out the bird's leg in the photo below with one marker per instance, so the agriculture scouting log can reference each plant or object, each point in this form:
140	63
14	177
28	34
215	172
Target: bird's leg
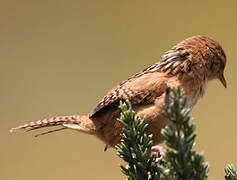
160	152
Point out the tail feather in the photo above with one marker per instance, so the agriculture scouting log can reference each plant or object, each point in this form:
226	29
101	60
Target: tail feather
80	123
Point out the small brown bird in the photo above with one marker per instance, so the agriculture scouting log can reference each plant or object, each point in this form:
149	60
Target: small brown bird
190	65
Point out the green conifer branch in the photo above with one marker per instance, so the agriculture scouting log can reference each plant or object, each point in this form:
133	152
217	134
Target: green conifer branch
181	158
230	172
135	147
181	161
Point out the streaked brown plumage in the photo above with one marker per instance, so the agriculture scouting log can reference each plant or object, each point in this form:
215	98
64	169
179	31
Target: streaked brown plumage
190	64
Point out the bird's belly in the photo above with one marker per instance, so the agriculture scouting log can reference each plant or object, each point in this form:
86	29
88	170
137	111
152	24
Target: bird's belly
153	115
109	129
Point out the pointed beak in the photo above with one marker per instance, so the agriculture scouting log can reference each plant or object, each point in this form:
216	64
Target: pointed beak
222	80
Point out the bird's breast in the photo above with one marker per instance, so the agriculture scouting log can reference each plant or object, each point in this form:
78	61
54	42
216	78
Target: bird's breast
192	88
194	91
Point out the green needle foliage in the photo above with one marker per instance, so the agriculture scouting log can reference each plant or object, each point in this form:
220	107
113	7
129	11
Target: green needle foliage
181	161
230	173
135	147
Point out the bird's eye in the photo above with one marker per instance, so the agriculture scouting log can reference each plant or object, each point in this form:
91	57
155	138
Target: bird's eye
216	66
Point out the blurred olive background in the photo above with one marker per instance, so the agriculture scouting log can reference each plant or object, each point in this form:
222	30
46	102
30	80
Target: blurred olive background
60	57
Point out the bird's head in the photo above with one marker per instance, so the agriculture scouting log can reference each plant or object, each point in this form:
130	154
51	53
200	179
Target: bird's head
202	55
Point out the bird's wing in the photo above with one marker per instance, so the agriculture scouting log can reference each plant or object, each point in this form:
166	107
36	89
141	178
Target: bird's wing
147	85
142	88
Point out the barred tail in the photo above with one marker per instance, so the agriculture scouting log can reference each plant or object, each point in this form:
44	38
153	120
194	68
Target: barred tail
80	123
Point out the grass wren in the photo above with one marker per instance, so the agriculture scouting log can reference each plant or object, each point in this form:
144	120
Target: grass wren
190	65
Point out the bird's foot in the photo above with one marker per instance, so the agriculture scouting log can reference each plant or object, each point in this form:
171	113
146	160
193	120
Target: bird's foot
160	152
